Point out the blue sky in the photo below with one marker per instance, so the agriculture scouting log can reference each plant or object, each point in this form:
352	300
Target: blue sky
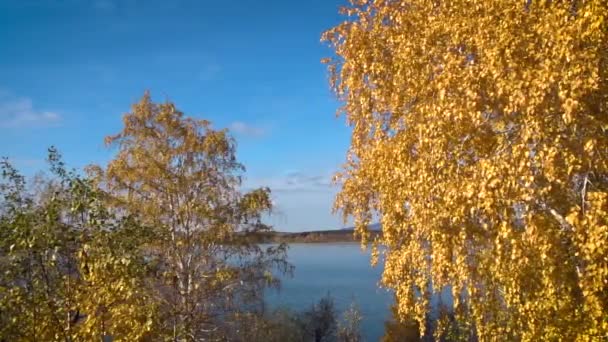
70	69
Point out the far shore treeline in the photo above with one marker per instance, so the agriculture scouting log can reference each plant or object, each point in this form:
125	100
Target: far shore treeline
312	236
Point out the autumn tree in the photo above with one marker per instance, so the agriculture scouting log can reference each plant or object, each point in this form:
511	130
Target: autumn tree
35	298
480	139
180	178
69	269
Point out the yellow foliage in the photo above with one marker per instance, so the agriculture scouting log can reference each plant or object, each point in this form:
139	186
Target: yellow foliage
479	139
180	177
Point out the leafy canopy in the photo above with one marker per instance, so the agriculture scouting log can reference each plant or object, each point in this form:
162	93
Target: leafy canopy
480	139
70	269
181	178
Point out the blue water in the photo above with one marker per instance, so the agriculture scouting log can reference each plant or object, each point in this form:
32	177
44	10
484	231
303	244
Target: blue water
343	270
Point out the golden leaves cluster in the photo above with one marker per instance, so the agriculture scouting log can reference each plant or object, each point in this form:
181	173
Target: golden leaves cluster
480	139
180	177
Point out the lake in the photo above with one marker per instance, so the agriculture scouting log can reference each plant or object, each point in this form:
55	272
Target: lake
342	270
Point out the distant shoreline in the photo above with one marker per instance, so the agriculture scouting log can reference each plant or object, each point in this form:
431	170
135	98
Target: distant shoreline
317	236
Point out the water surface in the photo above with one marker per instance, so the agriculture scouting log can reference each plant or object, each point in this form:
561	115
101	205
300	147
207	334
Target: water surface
342	270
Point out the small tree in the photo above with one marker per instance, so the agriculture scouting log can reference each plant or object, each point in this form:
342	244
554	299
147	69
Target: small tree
349	329
319	323
181	178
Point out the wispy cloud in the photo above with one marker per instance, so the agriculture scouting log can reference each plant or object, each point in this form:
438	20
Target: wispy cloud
296	181
20	112
301	200
299	179
242	128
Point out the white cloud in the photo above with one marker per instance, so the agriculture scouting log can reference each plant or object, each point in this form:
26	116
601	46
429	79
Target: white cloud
20	112
246	129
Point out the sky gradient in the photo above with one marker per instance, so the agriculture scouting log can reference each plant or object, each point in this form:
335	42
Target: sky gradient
70	69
